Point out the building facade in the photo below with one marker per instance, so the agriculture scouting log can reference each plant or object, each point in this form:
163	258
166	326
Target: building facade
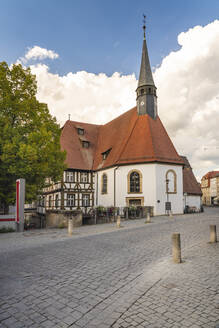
129	161
210	188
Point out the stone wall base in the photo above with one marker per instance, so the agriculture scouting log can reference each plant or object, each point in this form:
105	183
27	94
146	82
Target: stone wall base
59	218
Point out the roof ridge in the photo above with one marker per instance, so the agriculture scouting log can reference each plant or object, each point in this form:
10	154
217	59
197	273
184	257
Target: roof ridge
152	139
165	131
96	146
127	139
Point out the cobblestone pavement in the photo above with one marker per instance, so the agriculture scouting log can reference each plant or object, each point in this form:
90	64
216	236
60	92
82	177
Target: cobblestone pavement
107	277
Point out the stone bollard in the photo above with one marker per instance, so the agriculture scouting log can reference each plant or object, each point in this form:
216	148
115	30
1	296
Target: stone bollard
70	226
118	222
213	234
170	214
127	213
148	220
176	247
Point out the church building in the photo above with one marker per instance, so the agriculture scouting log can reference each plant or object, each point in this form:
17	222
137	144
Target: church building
128	161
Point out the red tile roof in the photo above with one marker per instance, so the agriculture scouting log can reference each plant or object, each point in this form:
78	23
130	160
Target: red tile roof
131	138
77	156
211	174
190	184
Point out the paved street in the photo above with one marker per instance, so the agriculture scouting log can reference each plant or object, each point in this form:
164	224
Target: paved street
108	277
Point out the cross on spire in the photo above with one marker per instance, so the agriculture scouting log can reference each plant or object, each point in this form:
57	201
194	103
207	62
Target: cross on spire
144	26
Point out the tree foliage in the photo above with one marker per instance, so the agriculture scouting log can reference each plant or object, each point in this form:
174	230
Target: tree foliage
29	136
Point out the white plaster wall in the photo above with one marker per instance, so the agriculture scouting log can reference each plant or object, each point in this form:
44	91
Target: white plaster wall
193	201
7	224
148	185
108	198
161	196
153	187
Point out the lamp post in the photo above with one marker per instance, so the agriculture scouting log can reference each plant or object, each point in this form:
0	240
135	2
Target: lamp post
167	192
167	189
185	194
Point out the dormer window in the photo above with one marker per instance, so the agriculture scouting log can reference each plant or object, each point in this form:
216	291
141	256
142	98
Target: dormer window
106	153
80	131
85	144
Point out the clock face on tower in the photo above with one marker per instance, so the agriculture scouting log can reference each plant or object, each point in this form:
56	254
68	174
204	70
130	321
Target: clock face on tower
142	103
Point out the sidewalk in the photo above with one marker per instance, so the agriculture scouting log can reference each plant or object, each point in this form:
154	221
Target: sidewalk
108	277
36	237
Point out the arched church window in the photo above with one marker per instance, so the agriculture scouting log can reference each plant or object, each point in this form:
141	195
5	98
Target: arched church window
171	182
104	184
134	181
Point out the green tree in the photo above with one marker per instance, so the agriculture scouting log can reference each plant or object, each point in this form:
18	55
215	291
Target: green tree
29	136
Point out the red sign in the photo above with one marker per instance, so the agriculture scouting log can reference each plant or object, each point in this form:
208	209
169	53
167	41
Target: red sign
17	200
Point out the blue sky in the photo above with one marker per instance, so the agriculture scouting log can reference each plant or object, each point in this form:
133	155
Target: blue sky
98	35
105	36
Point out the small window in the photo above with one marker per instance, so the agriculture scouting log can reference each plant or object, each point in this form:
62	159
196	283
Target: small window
70	200
80	131
85	144
149	90
69	176
104	183
142	91
134	182
106	153
50	201
85	200
57	201
84	177
171	183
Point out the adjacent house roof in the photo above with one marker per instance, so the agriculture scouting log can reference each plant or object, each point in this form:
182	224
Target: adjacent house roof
211	174
190	184
128	139
79	157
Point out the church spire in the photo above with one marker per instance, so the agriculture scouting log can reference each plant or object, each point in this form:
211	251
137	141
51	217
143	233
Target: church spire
146	90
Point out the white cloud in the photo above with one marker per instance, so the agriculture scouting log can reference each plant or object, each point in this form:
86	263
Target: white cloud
86	96
188	90
37	53
40	53
188	95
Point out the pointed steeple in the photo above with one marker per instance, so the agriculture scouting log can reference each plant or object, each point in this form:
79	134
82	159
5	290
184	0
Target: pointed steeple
145	76
146	90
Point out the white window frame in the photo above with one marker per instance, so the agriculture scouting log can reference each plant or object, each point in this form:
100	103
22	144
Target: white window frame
85	200
70	200
69	176
84	177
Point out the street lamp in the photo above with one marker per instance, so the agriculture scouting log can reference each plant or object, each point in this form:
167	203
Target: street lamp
167	189
185	194
168	206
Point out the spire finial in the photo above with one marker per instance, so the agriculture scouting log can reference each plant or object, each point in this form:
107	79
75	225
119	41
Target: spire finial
144	26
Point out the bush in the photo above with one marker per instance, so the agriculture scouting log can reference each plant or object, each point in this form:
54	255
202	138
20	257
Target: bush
6	229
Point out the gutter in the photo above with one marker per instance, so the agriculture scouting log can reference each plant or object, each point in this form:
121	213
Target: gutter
97	191
115	186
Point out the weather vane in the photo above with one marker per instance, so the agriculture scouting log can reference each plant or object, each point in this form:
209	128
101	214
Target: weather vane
144	26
